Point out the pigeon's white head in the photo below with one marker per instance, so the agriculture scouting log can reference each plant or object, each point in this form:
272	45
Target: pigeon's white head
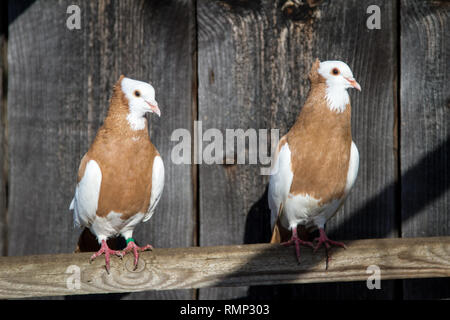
338	78
141	100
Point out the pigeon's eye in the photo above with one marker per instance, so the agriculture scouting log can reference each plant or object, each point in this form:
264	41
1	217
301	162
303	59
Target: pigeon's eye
335	71
137	93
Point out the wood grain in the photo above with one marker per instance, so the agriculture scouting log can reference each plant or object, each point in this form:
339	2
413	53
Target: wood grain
60	82
425	129
3	146
198	267
253	66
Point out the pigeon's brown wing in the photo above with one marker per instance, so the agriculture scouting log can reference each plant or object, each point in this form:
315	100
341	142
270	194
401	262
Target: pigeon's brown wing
87	191
157	185
279	185
82	167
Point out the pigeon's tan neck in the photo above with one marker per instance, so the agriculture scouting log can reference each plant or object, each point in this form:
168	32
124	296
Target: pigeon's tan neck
116	120
316	112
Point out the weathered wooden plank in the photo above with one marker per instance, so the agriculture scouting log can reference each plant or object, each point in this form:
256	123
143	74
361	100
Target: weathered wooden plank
3	149
253	66
425	135
222	266
60	82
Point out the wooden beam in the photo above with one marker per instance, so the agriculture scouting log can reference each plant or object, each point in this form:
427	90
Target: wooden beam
197	267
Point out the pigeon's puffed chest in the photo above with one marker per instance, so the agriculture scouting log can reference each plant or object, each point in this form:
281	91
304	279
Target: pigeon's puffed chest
320	145
126	178
305	209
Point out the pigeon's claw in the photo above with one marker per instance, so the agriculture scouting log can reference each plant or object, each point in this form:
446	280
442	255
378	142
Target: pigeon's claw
133	247
323	240
104	249
295	240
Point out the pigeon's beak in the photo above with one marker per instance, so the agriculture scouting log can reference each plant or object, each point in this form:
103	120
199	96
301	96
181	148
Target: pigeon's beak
154	108
353	83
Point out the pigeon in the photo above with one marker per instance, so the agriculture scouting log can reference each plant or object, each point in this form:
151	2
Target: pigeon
316	163
121	177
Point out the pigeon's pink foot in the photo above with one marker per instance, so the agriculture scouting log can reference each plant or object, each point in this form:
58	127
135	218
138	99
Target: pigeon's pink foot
295	240
104	249
133	247
323	240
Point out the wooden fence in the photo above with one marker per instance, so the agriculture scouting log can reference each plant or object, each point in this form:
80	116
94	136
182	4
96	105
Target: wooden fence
230	64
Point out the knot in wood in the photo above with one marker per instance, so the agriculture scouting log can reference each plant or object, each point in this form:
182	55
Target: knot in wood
298	10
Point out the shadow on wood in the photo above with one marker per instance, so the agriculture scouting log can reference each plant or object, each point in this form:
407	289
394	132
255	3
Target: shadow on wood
17	9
